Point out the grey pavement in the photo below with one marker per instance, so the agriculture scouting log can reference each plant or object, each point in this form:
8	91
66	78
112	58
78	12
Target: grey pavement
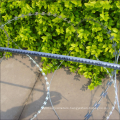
23	91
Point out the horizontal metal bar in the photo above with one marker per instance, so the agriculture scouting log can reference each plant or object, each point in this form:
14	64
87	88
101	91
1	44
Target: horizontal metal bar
63	57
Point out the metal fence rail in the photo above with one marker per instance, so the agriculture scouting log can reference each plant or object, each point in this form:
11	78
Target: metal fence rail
63	57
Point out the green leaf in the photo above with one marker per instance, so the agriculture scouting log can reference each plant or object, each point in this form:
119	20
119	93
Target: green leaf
77	49
52	69
67	30
65	43
106	16
115	30
72	53
94	47
73	45
87	4
91	87
49	71
102	15
93	52
86	74
56	20
61	30
56	67
44	38
106	49
66	4
99	51
118	4
58	31
44	28
104	46
88	47
72	29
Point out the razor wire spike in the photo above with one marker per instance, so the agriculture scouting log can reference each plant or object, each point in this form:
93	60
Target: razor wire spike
9	21
114	44
115	53
97	106
103	94
42	107
111	37
87	115
36	13
55	15
65	19
105	27
43	13
35	115
46	98
30	14
22	15
39	111
60	16
109	83
113	72
15	18
2	26
49	14
47	93
109	32
69	21
45	103
12	19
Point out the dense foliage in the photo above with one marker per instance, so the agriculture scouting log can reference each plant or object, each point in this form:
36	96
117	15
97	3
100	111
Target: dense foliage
53	35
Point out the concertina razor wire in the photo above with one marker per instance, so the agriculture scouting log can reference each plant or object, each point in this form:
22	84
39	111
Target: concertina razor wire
103	94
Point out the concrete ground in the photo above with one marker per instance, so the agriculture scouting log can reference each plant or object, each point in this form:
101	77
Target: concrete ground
23	91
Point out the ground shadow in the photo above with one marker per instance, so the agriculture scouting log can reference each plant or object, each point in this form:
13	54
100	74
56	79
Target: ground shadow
55	96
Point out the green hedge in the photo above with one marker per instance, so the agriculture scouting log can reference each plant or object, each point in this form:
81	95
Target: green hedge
53	35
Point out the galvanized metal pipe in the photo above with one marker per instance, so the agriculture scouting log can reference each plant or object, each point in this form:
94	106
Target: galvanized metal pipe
63	57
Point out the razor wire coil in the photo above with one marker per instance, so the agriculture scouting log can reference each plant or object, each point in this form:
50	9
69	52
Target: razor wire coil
103	94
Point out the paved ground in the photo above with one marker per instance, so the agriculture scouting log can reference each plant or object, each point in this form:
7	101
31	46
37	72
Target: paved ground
23	91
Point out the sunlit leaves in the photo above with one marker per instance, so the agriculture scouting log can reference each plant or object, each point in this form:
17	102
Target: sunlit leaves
76	3
80	33
100	38
105	4
45	38
91	86
58	31
77	49
70	29
56	20
94	47
115	30
68	5
104	15
106	49
118	4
